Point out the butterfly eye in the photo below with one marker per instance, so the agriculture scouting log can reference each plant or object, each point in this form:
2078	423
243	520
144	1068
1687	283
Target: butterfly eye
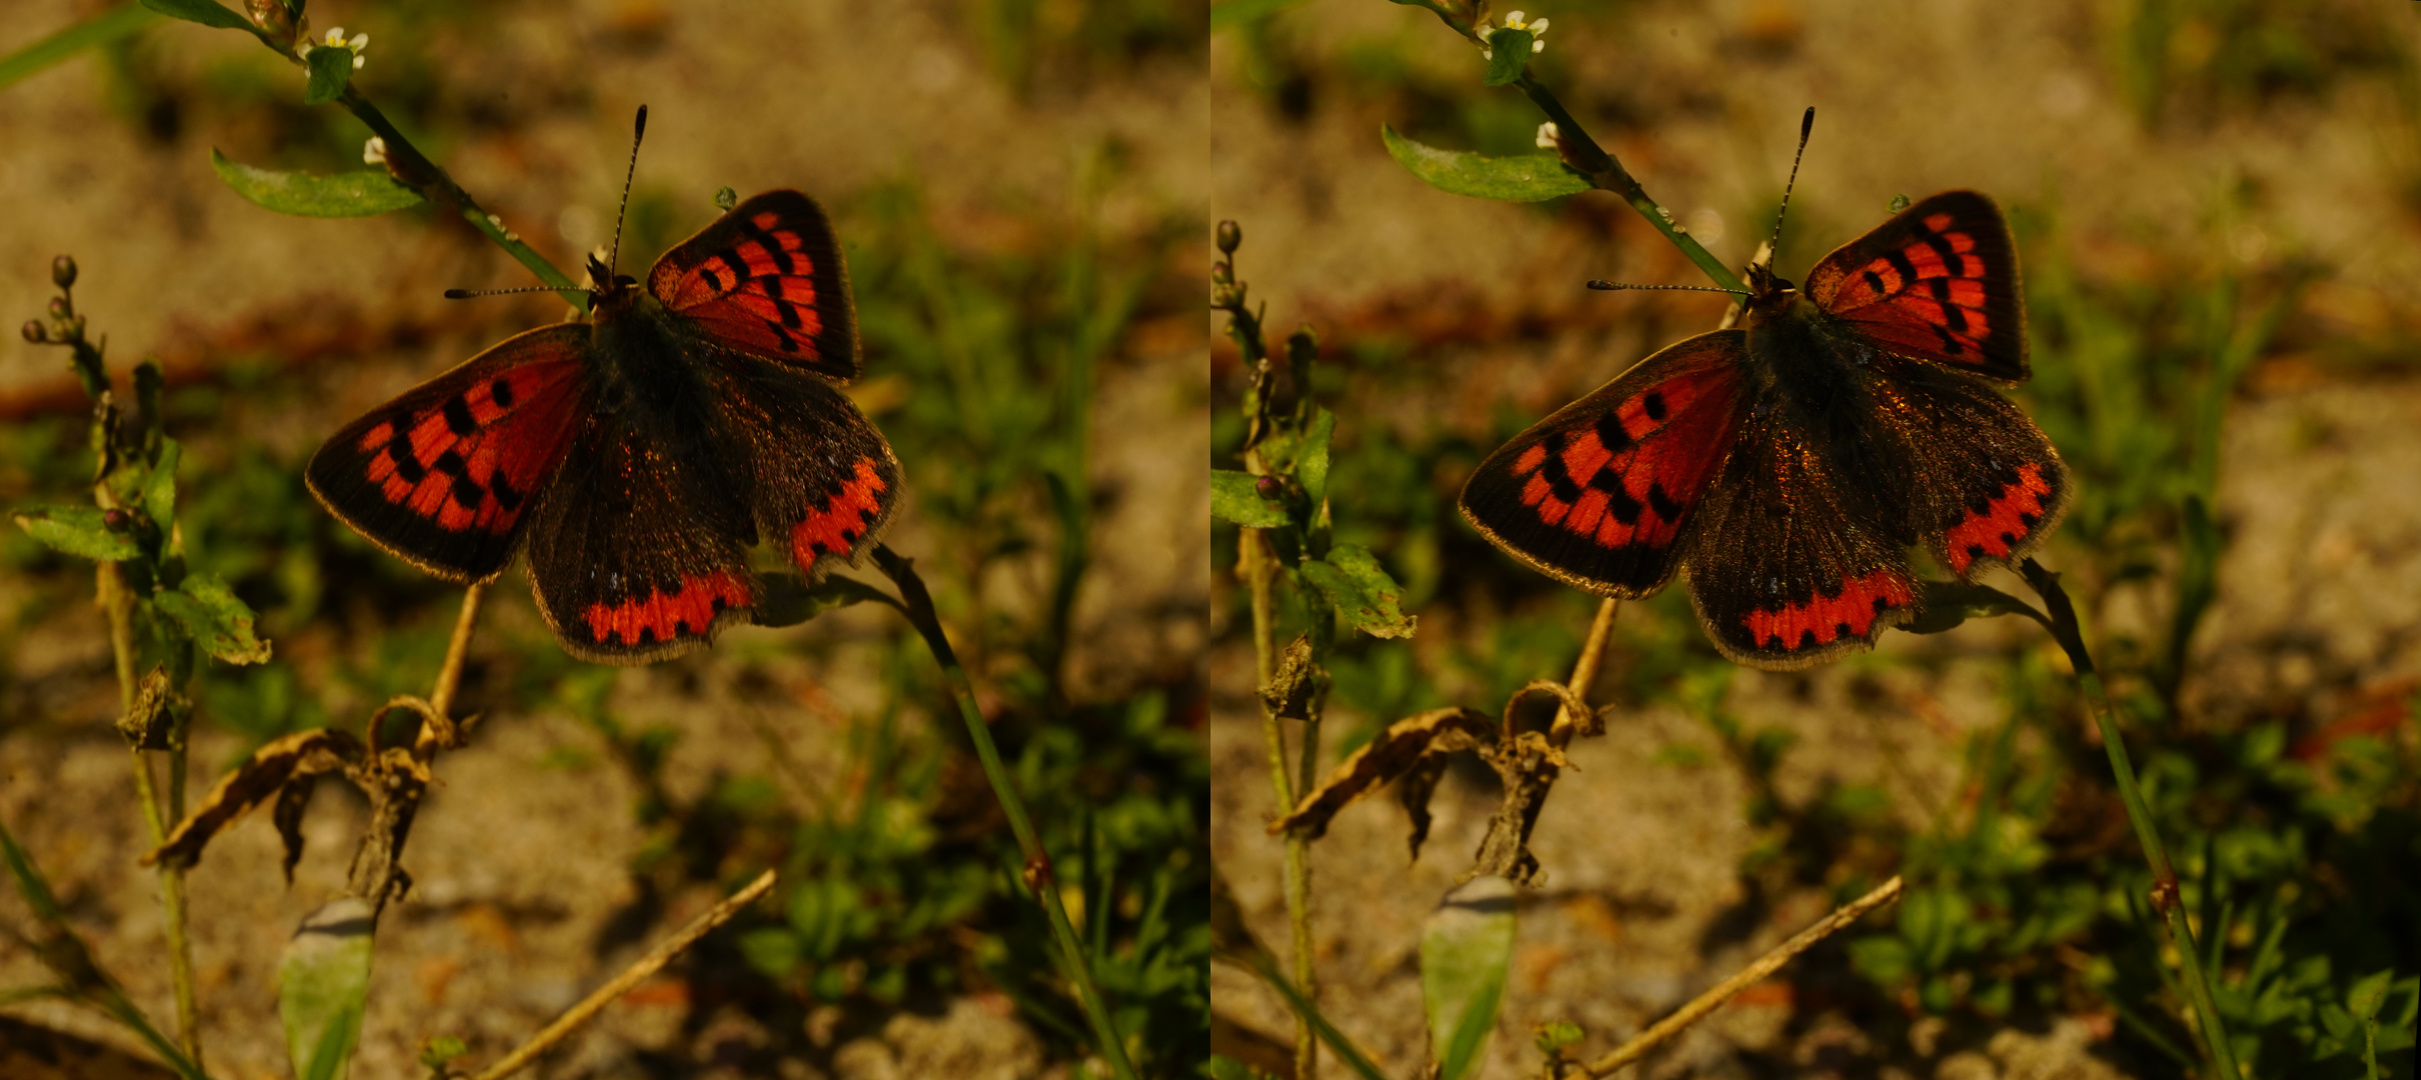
624	281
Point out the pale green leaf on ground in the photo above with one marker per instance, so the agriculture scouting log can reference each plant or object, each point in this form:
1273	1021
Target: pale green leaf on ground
347	194
1524	178
1466	950
322	981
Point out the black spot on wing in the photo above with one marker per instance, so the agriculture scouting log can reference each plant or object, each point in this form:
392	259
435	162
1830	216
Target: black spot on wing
458	416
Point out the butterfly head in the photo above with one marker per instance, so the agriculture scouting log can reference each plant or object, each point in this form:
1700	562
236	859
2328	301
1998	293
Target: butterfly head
1770	294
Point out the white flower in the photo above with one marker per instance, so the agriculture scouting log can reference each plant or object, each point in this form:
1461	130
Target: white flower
374	151
1547	136
1513	21
336	40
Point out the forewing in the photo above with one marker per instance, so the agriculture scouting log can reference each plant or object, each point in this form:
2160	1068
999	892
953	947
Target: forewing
1783	572
639	549
1939	281
444	475
1600	494
767	279
823	483
1990	487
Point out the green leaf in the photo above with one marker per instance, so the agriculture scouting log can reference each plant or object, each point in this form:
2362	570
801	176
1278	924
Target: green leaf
1227	1068
160	486
331	68
78	531
773	950
216	620
1509	55
322	981
348	194
1466	949
1236	497
1526	178
1311	458
787	599
200	11
1363	593
98	30
1943	605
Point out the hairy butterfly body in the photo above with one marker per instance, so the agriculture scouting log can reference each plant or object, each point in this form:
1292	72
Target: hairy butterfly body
638	456
1790	463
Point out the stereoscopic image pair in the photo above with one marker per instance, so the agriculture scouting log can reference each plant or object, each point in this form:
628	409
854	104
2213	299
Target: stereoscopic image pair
1781	538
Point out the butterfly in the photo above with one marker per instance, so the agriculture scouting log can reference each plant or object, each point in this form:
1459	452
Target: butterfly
1793	461
636	457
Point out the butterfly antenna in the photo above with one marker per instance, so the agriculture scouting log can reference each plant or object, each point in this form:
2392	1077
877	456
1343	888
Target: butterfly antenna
466	294
638	131
1616	286
1807	123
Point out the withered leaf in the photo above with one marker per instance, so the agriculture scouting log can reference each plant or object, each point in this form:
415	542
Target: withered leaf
1394	753
151	724
300	756
1292	691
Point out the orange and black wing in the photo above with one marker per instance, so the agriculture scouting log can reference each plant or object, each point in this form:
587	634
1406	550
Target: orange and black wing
766	279
1600	494
1787	566
444	476
1939	281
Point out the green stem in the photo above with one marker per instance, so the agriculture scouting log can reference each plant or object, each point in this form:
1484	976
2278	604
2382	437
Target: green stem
917	605
2065	628
1583	153
413	168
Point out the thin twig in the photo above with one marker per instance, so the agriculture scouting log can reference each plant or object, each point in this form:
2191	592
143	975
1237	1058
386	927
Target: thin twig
637	973
1765	965
1584	674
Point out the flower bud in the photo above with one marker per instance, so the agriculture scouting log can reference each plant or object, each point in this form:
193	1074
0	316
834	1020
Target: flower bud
1231	237
63	271
34	333
58	307
276	22
1268	487
115	520
1221	274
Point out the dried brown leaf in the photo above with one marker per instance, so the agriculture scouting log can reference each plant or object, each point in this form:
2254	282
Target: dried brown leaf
1394	753
151	723
268	771
1296	686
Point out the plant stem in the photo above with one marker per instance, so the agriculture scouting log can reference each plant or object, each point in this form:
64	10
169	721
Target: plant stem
1582	152
917	605
1584	674
2066	630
